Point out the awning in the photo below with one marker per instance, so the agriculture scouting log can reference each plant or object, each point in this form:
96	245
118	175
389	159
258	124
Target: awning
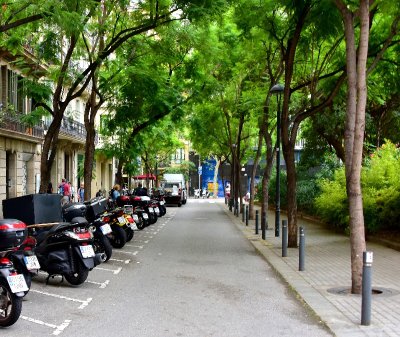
145	177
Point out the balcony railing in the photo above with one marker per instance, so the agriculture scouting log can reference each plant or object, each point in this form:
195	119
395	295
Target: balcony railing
69	127
72	128
14	124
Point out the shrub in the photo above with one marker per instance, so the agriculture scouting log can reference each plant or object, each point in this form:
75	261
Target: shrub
380	180
331	204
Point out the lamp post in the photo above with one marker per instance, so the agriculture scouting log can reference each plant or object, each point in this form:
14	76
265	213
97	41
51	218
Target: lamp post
277	90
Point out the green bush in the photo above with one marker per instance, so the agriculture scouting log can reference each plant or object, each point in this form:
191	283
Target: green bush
331	204
380	180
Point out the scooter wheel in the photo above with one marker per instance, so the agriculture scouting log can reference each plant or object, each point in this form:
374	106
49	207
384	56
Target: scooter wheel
118	237
79	276
141	224
10	305
103	245
129	234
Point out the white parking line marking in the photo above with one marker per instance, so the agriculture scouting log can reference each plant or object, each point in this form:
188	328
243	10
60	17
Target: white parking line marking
141	241
133	246
115	271
29	319
102	285
61	327
83	303
123	261
57	328
126	252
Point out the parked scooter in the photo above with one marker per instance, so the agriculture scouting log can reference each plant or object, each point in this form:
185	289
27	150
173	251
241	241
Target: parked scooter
12	284
205	193
139	215
65	249
145	203
197	193
100	230
158	197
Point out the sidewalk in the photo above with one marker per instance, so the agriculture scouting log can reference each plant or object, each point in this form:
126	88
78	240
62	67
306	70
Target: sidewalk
326	281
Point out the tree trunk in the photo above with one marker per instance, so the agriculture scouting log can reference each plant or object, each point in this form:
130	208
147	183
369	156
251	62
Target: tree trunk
253	175
354	134
118	175
49	151
288	152
89	151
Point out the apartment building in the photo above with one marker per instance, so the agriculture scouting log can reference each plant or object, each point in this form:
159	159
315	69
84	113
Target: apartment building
21	145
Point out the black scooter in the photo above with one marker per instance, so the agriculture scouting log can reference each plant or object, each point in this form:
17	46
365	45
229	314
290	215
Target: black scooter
100	230
12	284
66	249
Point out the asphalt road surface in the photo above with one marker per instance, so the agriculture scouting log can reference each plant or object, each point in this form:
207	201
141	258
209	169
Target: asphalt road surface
190	274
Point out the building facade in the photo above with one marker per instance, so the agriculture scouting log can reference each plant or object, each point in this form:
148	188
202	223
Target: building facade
21	145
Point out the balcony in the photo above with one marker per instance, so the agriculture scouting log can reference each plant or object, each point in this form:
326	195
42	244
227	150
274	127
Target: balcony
13	126
72	130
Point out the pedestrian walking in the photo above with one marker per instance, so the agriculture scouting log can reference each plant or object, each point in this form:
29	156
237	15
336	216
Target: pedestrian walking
81	193
115	192
65	190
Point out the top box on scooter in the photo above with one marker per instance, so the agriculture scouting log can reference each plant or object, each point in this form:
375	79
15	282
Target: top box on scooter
12	233
95	207
73	210
34	208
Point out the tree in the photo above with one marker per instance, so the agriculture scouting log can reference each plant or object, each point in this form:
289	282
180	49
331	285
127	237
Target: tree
129	21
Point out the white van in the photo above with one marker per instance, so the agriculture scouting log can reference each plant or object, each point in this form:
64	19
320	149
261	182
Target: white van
174	188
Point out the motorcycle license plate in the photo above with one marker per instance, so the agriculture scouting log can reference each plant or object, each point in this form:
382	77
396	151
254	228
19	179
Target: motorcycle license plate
87	251
145	216
17	283
157	210
162	202
121	220
106	229
135	217
151	210
31	262
133	226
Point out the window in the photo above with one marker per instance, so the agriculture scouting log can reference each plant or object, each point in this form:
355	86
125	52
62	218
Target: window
16	97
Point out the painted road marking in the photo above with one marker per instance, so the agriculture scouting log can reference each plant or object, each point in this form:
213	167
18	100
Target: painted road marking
125	252
102	285
123	261
133	246
141	241
83	303
115	271
57	328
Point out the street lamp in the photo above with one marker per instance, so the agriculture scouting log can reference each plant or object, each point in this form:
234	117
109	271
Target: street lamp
277	90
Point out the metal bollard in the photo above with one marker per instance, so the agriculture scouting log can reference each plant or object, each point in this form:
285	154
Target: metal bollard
256	223
243	212
263	224
366	288
236	209
302	249
247	215
284	238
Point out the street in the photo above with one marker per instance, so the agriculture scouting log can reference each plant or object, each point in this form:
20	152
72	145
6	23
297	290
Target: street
190	274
